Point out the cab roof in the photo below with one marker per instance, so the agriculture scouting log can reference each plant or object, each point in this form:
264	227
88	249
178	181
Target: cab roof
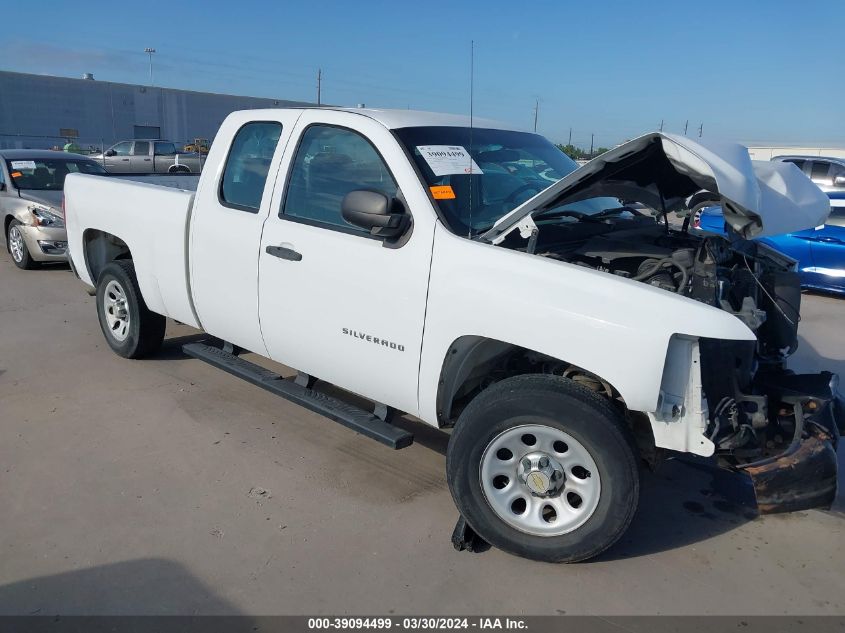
395	119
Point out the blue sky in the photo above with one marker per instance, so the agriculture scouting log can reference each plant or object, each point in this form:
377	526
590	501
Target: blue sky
752	71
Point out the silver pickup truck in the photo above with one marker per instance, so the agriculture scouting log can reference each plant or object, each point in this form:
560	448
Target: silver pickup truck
148	156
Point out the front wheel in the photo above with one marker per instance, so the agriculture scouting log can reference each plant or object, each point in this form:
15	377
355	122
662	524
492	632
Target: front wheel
17	247
544	468
130	328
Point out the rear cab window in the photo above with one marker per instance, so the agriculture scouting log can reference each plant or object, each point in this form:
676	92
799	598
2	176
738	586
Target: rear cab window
165	149
142	148
245	171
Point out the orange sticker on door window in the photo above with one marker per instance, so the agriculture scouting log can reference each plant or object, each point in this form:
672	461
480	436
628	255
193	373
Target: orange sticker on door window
442	192
16	174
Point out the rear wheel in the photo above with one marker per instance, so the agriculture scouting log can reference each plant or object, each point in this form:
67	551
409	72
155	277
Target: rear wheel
17	247
544	468
130	328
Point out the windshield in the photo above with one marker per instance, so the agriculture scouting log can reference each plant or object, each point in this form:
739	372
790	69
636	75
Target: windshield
43	174
507	168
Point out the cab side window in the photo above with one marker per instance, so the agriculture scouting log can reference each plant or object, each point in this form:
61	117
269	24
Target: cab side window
329	163
798	163
820	170
245	172
142	148
123	149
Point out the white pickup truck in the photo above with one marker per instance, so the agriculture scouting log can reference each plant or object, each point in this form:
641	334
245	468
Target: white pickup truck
472	276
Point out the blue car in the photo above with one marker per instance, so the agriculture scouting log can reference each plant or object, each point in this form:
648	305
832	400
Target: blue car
820	251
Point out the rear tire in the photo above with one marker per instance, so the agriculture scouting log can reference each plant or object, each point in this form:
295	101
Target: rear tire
130	328
577	442
17	247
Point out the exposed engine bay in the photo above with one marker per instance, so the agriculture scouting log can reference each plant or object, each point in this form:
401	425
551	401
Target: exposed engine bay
760	413
749	280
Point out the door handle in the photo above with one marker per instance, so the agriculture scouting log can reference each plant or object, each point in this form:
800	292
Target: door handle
284	253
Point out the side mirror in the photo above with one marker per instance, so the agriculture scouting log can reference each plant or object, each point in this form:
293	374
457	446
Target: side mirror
839	181
110	152
374	211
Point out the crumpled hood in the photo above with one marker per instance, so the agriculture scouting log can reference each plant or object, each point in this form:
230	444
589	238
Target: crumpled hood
50	198
759	198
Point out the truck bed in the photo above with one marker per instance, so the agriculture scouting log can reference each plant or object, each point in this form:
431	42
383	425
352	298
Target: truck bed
150	214
186	182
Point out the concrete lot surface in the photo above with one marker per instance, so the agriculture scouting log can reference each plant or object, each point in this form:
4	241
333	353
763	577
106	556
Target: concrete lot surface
166	486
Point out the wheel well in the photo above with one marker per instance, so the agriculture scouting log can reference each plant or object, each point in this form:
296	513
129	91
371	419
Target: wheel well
473	363
101	248
6	222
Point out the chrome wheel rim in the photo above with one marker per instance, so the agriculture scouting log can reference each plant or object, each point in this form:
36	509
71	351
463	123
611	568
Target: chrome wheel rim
16	245
116	310
540	480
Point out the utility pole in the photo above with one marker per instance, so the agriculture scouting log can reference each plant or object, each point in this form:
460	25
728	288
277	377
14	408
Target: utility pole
150	51
536	113
686	125
592	137
570	137
319	83
661	125
700	130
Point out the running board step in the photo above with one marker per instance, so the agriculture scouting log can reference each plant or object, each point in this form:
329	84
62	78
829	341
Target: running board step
348	415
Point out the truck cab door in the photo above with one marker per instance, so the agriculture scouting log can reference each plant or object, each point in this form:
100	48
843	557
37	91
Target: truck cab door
141	161
119	162
164	155
231	204
335	301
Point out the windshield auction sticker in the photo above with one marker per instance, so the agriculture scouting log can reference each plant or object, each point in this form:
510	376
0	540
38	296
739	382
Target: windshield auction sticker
445	160
23	164
442	192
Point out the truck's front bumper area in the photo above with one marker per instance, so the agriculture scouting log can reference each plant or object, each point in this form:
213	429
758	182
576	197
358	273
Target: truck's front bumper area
45	244
804	475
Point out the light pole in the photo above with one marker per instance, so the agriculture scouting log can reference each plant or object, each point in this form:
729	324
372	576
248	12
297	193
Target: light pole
150	52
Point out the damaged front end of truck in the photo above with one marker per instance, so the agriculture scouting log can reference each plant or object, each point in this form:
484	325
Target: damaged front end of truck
755	415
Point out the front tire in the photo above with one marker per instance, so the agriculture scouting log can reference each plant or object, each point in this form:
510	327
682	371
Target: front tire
17	247
130	328
544	468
